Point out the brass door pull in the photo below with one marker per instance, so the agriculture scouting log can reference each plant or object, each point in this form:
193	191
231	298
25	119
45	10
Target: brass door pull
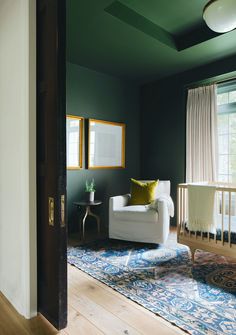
51	211
63	210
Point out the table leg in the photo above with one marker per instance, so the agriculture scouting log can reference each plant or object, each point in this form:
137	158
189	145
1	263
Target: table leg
83	220
97	219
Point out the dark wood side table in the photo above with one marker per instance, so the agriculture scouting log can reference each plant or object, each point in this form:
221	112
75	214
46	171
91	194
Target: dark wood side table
87	205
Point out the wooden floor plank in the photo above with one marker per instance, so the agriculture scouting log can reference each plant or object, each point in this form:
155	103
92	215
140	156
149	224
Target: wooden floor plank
104	320
134	315
78	323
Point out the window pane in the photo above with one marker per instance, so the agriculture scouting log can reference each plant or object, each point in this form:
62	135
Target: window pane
232	178
223	164
232	96
223	178
223	126
223	144
232	123
222	98
232	165
232	144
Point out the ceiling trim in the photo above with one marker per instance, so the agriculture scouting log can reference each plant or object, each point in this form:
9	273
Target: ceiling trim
178	43
132	18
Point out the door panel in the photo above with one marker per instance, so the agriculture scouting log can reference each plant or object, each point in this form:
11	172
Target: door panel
51	161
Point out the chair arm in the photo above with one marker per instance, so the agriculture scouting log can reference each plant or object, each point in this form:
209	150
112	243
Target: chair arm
163	212
168	202
119	201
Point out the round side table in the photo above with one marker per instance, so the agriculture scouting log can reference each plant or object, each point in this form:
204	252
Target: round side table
88	205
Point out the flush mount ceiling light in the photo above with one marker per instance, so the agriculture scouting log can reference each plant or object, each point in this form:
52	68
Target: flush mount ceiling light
220	15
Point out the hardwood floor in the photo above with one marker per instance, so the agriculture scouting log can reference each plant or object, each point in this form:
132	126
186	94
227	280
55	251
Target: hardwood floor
108	311
94	309
11	323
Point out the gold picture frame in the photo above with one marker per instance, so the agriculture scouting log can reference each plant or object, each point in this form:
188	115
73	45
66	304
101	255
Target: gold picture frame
74	142
106	144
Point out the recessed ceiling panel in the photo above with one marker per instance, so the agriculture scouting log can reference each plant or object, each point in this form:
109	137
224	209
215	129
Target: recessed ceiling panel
192	34
106	43
175	16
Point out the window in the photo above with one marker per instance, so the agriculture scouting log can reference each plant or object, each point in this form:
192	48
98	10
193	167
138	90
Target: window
226	107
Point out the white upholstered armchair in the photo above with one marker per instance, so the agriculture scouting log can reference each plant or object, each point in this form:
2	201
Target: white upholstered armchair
140	223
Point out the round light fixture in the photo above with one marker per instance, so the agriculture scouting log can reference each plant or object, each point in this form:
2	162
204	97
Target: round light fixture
220	15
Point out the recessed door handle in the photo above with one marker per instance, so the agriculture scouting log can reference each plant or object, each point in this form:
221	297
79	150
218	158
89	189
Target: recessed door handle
51	211
63	210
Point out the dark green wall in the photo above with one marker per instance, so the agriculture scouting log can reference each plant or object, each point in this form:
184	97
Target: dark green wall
163	118
95	95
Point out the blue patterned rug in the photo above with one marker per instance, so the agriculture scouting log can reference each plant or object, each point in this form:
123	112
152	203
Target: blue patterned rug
200	299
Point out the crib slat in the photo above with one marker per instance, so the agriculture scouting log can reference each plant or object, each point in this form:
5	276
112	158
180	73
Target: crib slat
229	230
217	197
187	211
182	210
184	207
222	217
178	212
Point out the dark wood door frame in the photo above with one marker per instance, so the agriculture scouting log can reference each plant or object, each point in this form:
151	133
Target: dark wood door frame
51	161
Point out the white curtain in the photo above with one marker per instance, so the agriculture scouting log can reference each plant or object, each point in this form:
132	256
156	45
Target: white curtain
201	141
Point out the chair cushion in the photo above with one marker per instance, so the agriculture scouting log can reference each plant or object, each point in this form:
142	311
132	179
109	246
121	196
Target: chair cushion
138	213
142	193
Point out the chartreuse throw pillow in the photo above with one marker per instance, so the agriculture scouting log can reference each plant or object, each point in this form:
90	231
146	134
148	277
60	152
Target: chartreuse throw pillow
142	193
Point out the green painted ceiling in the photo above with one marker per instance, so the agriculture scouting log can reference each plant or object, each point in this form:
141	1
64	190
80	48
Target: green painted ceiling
142	39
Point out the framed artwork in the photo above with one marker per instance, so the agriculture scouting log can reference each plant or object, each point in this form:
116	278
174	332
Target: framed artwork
106	144
74	142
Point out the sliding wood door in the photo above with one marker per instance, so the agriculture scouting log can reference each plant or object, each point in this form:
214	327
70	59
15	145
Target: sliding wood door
51	161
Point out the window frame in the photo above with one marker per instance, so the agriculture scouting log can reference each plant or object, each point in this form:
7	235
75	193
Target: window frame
226	109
